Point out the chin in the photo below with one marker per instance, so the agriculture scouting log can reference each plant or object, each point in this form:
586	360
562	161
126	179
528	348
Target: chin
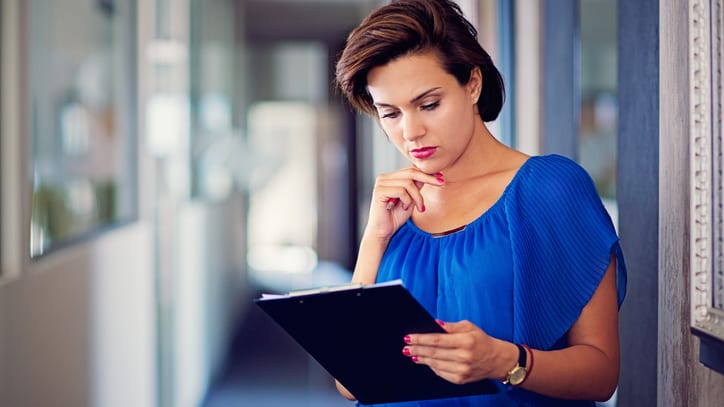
427	166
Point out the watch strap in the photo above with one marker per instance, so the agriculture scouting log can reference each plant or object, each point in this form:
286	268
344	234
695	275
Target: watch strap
522	356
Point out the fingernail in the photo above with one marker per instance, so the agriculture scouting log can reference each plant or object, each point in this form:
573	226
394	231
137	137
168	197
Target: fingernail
407	339
439	322
415	359
406	351
440	180
439	175
422	208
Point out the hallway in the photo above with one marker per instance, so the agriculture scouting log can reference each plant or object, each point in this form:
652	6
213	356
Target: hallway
266	368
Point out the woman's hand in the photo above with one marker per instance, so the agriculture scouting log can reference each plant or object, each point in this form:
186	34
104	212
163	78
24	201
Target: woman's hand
343	391
394	196
462	355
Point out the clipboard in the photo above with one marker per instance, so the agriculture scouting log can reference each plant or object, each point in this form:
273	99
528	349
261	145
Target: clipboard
356	333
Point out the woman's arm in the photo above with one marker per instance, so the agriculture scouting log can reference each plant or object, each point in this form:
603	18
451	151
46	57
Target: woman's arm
393	199
404	188
368	259
365	272
587	369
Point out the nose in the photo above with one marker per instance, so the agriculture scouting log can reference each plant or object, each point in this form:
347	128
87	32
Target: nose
412	127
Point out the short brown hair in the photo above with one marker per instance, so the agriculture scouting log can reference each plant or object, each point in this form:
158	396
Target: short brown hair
406	27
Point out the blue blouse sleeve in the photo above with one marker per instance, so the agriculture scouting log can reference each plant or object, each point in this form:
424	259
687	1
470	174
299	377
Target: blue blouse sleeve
562	239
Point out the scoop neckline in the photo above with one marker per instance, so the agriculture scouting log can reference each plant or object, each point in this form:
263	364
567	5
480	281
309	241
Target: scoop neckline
459	229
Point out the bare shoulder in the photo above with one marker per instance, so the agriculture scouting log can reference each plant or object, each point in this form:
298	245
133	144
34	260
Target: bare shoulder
509	165
516	159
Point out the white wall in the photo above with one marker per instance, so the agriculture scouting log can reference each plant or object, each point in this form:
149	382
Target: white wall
527	76
210	291
78	326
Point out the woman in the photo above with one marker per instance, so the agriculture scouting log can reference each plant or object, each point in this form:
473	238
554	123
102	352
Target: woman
515	255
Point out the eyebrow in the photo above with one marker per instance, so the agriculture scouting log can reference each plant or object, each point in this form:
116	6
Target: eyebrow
413	100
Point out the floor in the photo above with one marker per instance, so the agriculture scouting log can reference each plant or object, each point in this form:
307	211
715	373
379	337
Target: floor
266	368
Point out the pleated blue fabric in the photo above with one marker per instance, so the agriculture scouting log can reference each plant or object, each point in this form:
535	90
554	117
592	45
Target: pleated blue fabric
522	271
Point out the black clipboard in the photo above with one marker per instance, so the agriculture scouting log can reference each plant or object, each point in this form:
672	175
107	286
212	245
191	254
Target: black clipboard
356	333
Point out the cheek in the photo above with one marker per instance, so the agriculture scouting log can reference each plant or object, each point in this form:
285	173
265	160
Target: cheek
391	132
395	137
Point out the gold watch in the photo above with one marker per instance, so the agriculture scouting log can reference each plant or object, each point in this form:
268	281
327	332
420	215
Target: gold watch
517	375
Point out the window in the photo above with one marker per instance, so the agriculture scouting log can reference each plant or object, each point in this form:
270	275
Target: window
9	141
598	96
283	223
2	113
82	98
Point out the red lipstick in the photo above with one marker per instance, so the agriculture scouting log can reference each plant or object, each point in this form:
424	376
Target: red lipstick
423	152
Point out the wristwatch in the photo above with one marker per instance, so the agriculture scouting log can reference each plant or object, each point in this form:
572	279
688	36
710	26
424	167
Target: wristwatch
517	375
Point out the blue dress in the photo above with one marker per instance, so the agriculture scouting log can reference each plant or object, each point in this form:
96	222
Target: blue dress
522	271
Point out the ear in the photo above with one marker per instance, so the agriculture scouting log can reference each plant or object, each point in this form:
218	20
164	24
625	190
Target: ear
475	84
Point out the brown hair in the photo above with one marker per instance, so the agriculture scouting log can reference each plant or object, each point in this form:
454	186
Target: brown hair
406	27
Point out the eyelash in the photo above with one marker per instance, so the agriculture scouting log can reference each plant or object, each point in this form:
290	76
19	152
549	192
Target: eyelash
428	107
431	106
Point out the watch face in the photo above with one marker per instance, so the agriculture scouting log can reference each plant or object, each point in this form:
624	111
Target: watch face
517	375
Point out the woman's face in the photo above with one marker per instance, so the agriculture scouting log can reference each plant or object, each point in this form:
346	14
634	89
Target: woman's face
424	111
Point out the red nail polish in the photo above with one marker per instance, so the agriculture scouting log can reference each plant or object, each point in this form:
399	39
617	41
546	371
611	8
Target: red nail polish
407	339
440	180
415	359
406	351
422	209
439	322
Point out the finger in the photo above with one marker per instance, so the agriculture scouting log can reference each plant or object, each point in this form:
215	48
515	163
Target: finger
394	197
421	178
437	353
415	174
459	336
451	371
399	192
431	340
457	327
405	185
391	203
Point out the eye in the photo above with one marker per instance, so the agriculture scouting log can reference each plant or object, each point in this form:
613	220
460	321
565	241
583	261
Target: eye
430	106
389	115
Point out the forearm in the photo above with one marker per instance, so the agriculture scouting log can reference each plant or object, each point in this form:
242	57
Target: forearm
581	372
365	272
369	257
368	260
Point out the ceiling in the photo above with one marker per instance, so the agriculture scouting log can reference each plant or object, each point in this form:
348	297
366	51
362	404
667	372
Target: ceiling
317	20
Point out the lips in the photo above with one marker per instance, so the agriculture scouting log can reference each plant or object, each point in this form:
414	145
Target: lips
424	152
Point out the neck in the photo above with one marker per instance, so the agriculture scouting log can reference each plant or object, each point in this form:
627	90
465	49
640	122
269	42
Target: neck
484	155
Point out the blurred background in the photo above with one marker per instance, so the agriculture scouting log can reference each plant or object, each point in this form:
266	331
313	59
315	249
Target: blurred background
166	161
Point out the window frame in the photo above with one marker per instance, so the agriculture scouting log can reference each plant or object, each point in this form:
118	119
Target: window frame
706	208
127	129
12	114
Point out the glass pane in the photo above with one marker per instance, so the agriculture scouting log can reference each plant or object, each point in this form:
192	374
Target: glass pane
599	103
215	129
282	156
82	91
